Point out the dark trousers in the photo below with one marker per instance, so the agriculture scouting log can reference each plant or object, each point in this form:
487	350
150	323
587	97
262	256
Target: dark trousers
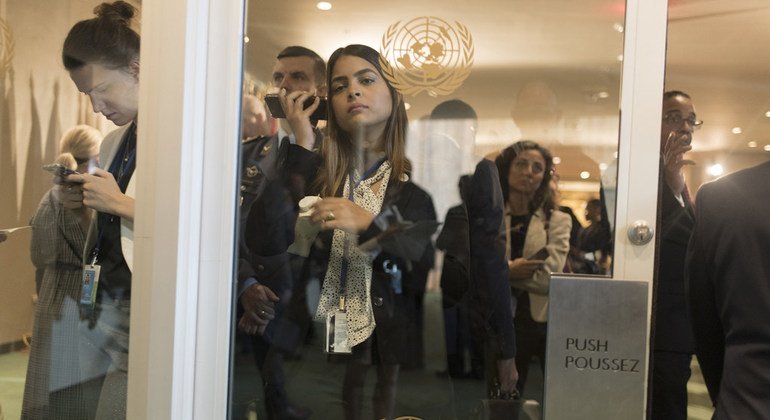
458	339
670	373
530	340
269	360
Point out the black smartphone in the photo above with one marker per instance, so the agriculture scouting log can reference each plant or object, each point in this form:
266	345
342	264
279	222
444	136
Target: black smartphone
541	254
58	169
276	110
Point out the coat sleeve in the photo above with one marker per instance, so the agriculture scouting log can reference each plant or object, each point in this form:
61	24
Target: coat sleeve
700	290
489	268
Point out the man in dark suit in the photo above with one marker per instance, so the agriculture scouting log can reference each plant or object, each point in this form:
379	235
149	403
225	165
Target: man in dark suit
728	279
272	310
673	344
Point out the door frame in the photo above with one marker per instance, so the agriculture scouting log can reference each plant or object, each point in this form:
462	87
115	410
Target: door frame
192	55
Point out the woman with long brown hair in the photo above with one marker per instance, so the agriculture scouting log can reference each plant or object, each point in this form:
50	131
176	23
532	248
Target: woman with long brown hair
364	185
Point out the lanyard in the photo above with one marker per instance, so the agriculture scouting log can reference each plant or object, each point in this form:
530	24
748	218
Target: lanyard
122	167
345	250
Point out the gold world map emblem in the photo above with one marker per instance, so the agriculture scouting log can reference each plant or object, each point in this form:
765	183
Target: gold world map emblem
426	54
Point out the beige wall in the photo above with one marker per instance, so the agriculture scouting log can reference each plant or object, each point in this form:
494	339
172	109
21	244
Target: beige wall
40	102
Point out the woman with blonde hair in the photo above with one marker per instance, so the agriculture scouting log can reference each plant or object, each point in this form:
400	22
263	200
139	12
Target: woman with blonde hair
58	238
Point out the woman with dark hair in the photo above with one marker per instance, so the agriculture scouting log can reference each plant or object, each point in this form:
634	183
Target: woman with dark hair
364	185
537	243
101	55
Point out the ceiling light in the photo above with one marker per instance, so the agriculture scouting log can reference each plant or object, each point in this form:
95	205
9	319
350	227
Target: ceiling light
585	175
767	148
556	160
715	170
324	5
618	27
245	39
407	105
752	144
767	114
603	166
737	130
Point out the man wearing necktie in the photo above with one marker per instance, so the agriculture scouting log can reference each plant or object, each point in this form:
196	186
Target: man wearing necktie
673	343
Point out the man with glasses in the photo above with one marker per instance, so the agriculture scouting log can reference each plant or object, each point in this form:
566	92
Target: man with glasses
673	343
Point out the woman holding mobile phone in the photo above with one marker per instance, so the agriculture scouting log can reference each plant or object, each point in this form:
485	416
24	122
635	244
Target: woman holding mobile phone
363	178
101	55
58	238
537	243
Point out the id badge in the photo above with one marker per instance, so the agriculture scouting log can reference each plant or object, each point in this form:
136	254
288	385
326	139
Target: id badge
337	333
90	284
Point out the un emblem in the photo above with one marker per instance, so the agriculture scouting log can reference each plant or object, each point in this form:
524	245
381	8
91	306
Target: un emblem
426	54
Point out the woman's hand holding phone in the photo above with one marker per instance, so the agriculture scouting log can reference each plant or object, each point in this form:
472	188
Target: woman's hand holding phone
101	193
522	268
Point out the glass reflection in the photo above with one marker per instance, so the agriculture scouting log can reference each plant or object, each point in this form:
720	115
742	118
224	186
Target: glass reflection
332	288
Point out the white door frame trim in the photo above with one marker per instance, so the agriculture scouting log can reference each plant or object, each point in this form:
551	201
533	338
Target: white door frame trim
185	218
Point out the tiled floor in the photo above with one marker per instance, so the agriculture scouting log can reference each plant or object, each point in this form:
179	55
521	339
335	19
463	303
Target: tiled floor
13	369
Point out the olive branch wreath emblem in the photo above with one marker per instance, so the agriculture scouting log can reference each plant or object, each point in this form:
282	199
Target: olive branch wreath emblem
451	79
6	47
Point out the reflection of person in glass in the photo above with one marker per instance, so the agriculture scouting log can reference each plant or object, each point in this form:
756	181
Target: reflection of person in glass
58	237
533	225
536	112
363	177
673	343
595	241
102	57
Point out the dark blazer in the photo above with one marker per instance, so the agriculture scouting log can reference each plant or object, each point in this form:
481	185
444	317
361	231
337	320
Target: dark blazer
672	324
728	279
280	171
273	174
490	292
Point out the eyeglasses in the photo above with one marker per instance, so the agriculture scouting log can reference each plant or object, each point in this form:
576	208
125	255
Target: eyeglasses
522	165
677	120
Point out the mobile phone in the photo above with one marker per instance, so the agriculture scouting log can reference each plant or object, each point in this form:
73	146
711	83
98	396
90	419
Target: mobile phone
276	110
539	255
57	169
